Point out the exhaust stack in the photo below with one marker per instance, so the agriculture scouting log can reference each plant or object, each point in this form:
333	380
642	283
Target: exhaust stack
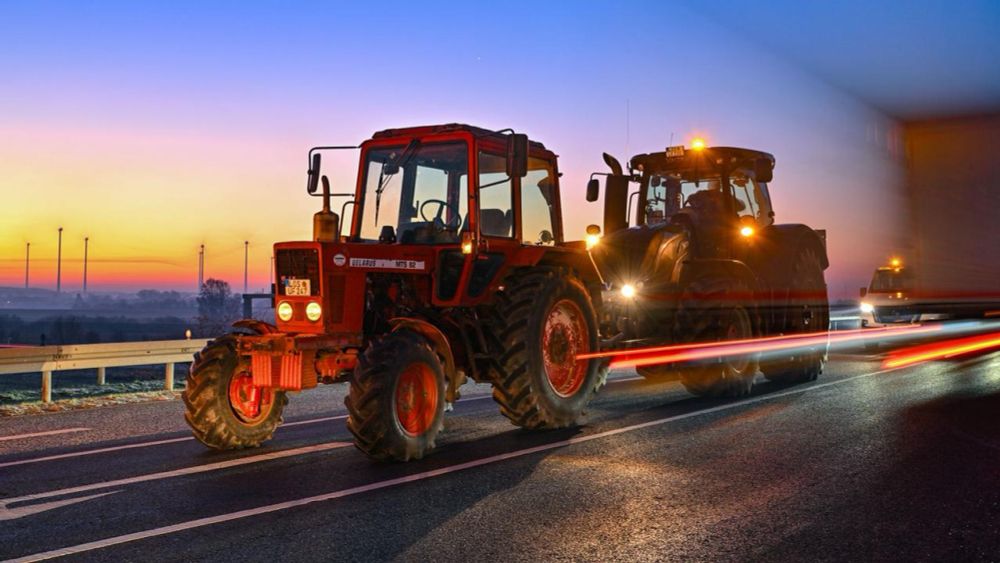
326	223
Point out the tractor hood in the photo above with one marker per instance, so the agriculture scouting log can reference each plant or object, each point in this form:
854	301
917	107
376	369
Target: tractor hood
643	256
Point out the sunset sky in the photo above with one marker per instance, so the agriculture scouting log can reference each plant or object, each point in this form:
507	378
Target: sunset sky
154	129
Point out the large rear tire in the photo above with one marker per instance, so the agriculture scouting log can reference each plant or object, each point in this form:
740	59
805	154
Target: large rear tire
397	398
716	310
542	320
223	408
809	311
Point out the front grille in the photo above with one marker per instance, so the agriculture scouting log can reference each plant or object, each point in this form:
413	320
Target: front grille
894	314
297	264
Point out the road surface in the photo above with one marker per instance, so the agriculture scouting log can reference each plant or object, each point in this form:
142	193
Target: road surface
863	464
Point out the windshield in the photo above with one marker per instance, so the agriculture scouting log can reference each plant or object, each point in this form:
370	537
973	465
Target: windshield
886	281
420	190
666	196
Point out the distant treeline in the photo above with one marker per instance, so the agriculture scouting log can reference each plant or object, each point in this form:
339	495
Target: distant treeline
145	300
72	329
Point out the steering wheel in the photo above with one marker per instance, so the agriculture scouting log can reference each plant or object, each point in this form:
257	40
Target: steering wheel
456	218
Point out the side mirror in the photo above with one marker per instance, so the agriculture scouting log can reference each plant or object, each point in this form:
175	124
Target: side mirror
312	184
864	291
517	155
593	189
763	170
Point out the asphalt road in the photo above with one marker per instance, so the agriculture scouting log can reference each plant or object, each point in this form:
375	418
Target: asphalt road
864	464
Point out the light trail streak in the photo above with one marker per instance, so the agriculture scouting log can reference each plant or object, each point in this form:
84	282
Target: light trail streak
857	334
942	350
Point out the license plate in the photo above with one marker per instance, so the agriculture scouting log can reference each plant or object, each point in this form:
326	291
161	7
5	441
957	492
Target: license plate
296	287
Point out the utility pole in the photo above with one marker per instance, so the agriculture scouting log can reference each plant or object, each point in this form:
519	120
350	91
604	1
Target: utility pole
59	264
27	261
201	267
86	243
246	263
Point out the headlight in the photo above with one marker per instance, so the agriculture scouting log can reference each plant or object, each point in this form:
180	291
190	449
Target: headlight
313	311
285	311
867	307
628	291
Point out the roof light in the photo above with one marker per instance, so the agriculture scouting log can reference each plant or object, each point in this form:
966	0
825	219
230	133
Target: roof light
697	144
895	262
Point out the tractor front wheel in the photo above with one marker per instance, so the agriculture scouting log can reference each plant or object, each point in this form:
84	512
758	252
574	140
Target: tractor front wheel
543	320
397	398
716	310
223	408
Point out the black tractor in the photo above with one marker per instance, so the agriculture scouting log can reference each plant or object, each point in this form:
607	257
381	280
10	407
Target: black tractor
691	254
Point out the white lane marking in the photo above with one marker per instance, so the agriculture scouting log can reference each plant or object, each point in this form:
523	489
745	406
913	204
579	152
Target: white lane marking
47	433
145	444
311	421
5	511
187	438
95	451
201	522
22	511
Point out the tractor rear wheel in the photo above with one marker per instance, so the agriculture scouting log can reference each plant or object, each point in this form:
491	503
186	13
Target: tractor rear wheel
809	311
715	310
397	398
223	407
543	320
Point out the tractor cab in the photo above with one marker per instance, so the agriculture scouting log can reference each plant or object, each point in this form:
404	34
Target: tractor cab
702	200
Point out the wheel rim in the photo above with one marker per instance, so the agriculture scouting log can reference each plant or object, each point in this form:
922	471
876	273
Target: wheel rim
416	399
249	403
564	336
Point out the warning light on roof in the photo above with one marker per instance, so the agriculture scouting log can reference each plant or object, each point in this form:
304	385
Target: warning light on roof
697	144
895	262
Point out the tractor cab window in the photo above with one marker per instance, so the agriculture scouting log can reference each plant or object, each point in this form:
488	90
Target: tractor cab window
706	196
743	192
751	195
663	200
418	190
537	202
496	210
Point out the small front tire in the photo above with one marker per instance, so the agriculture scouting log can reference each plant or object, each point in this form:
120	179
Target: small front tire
223	408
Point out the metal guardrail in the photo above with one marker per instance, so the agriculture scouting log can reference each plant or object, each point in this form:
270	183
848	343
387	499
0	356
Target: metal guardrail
48	359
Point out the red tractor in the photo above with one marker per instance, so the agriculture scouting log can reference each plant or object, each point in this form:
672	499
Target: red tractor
453	266
691	254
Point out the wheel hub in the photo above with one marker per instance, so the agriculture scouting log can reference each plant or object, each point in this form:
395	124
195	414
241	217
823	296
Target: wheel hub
416	399
564	336
249	403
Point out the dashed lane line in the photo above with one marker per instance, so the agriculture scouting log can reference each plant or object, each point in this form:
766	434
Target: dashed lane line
211	520
8	513
40	434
